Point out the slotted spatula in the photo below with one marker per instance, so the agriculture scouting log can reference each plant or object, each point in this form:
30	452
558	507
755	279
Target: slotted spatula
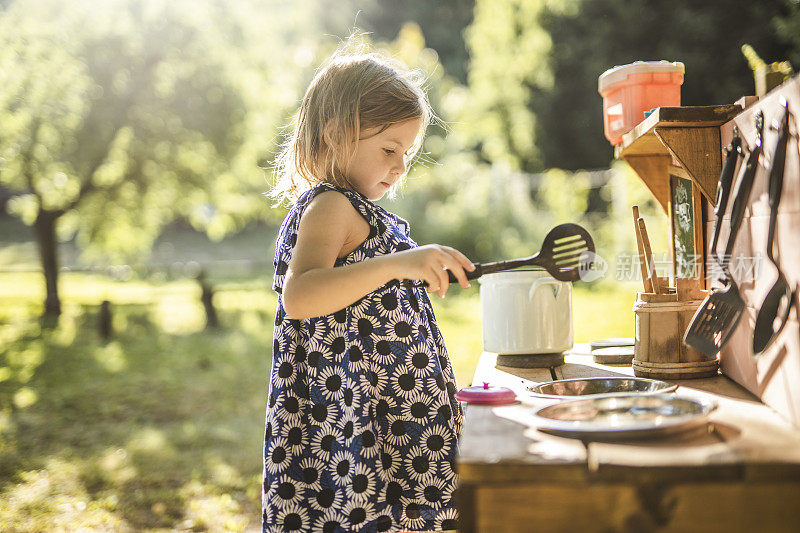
567	250
717	317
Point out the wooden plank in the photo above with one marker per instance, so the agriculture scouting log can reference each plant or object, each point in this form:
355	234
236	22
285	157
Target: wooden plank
516	379
466	503
653	171
550	508
762	507
708	115
647	144
775	376
749	438
496	446
689	135
685	116
746	439
498	442
583	366
698	152
699	243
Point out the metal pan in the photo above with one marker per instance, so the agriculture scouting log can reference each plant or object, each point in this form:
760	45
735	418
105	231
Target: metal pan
564	389
623	417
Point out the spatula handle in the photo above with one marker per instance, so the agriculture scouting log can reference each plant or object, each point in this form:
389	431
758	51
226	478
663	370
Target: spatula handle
480	270
742	193
724	186
776	174
475	274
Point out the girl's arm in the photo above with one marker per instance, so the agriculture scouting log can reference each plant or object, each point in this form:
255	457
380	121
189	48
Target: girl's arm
312	286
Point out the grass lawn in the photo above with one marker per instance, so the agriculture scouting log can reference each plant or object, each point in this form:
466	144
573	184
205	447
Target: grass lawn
161	428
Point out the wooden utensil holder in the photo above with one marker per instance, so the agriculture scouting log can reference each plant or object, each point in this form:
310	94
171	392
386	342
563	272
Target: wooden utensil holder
661	321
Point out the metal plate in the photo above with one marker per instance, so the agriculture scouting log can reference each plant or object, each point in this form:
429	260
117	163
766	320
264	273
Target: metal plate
607	386
611	343
615	355
623	417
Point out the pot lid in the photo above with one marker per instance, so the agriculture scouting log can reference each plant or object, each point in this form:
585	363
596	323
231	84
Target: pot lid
486	394
620	73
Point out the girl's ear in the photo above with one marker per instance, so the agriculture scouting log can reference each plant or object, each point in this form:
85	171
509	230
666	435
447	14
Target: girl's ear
327	134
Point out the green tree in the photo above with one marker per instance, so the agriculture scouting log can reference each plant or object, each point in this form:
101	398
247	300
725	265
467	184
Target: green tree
535	64
117	118
788	29
452	197
442	22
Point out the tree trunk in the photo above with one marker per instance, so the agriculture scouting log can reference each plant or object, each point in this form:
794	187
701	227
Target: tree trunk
45	227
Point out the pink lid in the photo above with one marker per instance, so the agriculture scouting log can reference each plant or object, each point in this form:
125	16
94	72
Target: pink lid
621	72
484	394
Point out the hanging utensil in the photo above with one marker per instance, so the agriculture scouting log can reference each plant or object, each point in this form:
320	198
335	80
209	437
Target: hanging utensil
778	302
717	317
640	248
567	251
733	150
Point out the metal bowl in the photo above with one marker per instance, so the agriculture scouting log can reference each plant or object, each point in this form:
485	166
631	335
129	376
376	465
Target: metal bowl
618	417
609	386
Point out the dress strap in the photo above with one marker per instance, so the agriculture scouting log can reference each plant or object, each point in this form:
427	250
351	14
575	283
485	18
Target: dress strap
362	204
287	236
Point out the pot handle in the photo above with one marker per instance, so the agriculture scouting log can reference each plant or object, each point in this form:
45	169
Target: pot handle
544	281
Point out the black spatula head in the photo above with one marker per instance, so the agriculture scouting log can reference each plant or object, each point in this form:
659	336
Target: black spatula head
715	320
567	252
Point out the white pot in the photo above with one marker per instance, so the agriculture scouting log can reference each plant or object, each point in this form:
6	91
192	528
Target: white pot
525	312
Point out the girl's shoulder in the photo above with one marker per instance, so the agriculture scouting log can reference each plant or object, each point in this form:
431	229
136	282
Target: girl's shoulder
308	196
326	207
341	201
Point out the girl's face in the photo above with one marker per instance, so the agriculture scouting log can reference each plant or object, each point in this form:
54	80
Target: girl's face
380	158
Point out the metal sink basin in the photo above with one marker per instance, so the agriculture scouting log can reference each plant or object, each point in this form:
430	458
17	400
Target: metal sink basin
564	389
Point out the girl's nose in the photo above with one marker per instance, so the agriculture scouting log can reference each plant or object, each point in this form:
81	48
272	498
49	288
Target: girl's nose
400	166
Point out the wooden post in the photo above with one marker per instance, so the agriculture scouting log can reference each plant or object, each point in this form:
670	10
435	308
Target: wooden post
106	329
207	296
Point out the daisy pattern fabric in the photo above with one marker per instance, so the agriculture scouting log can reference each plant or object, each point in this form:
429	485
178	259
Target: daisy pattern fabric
362	421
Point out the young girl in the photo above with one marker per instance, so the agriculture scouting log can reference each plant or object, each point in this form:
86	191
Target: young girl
362	421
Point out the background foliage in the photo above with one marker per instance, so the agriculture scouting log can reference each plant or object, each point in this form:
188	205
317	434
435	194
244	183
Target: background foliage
146	128
171	112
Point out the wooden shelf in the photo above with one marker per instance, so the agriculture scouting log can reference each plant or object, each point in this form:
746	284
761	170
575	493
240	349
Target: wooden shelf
681	140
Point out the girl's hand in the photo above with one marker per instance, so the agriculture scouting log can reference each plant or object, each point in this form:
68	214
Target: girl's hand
431	263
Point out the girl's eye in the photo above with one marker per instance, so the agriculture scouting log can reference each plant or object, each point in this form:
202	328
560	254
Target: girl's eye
388	151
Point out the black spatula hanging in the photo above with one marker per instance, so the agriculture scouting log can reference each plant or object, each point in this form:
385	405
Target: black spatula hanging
717	317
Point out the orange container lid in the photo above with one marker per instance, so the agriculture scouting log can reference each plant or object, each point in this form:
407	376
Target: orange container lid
620	73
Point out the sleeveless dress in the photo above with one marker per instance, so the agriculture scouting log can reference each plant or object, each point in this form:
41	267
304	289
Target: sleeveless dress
362	421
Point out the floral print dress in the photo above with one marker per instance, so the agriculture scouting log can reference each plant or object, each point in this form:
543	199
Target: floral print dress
362	421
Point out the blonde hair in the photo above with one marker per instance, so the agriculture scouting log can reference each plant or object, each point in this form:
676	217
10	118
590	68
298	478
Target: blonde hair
354	91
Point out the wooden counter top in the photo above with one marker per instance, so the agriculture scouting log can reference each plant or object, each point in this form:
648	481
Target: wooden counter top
744	464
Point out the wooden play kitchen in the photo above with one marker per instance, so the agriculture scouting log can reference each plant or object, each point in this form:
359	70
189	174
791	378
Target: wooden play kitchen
732	293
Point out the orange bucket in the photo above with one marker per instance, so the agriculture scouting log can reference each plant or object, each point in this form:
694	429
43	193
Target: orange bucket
630	90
